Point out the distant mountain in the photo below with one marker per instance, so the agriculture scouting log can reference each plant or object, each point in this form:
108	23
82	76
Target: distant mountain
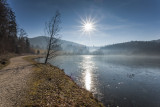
127	48
132	48
68	47
39	42
158	41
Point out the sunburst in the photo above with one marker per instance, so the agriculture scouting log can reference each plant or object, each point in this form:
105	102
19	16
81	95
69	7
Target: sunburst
88	25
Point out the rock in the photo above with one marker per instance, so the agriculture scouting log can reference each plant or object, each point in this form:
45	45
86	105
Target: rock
3	62
49	79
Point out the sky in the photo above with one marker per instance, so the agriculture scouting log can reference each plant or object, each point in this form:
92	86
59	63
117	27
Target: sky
115	21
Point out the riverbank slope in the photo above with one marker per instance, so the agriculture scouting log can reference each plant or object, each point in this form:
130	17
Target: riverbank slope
51	87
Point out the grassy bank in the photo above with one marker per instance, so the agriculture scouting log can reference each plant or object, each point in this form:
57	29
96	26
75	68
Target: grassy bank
4	59
51	87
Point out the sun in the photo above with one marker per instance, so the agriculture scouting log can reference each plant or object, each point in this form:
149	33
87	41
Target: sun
88	25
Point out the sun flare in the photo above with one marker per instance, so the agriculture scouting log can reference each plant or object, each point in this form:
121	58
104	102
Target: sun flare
88	25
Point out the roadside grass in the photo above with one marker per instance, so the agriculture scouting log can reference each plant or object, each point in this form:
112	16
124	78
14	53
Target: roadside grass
4	59
50	87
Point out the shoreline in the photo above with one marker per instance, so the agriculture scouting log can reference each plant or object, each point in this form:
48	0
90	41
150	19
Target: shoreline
50	86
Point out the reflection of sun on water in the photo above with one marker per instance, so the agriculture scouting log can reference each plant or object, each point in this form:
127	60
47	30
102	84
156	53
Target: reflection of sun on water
88	80
88	68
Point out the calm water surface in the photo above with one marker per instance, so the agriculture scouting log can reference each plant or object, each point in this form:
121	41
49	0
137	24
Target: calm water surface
119	81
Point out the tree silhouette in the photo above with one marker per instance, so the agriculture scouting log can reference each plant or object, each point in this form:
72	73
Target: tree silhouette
52	29
9	40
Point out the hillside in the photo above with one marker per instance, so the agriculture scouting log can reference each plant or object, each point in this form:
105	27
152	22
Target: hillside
158	41
67	47
133	47
128	48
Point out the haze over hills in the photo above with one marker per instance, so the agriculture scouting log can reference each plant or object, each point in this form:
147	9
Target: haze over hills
132	48
129	48
68	47
158	41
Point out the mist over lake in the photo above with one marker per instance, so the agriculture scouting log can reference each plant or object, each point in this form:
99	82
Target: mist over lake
125	81
80	53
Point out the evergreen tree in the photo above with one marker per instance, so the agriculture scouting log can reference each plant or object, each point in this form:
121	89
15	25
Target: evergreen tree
9	42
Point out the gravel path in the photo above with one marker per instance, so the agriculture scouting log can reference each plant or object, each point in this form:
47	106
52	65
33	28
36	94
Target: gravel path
13	82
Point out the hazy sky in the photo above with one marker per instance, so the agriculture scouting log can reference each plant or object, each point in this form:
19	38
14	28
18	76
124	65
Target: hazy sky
116	20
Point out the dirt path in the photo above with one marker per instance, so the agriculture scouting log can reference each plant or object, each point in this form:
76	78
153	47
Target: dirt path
13	81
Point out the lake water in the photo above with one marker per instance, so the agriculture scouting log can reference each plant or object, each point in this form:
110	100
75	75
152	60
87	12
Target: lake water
119	81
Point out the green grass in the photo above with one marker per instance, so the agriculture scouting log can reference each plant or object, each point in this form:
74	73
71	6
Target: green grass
51	87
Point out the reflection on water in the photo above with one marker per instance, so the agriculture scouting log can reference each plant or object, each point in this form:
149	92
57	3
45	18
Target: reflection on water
88	80
87	65
116	80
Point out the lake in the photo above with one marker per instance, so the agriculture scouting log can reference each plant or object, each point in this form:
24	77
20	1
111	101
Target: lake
119	81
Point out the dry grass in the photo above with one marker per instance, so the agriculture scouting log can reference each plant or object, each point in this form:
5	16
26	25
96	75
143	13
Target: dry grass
51	87
4	59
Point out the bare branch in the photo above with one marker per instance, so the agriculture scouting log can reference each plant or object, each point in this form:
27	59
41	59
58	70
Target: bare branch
52	29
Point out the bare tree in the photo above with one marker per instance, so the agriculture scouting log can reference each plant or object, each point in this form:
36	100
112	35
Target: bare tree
22	35
52	29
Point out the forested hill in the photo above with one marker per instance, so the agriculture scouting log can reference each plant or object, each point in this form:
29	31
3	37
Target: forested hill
133	47
68	47
128	48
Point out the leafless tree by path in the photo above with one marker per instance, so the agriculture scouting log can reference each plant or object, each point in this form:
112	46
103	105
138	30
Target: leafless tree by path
52	29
